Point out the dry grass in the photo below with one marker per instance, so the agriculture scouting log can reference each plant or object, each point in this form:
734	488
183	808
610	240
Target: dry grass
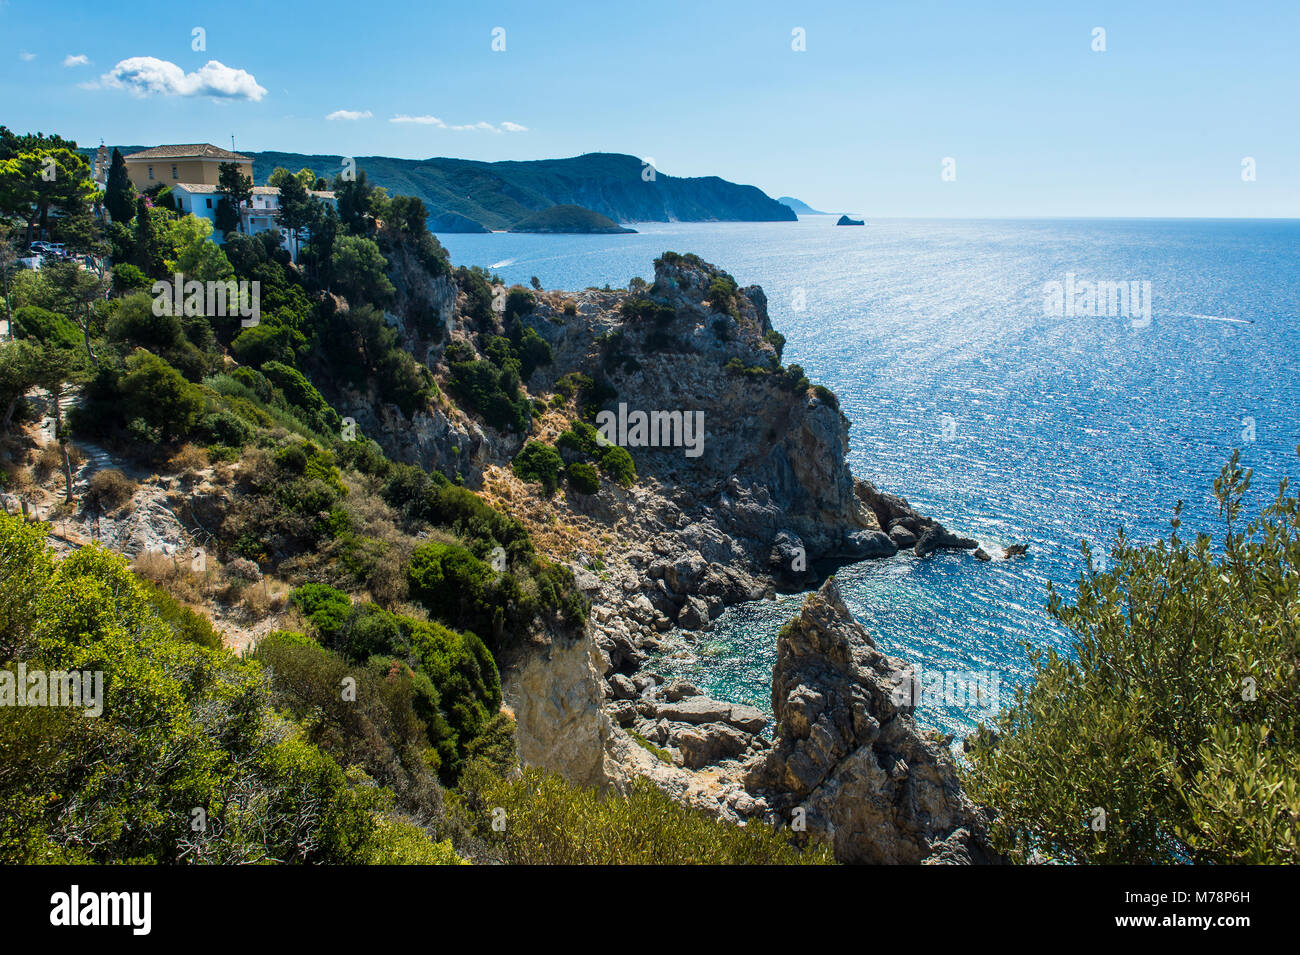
277	594
268	596
110	489
48	461
255	601
214	589
558	531
14	473
188	461
176	575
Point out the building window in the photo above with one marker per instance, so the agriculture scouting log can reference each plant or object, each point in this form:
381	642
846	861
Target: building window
174	176
209	203
151	172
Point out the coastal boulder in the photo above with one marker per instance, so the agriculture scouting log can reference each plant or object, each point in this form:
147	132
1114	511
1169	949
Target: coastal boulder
710	743
680	690
694	614
788	559
902	536
865	544
939	537
695	709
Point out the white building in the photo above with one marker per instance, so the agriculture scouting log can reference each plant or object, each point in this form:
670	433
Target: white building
261	215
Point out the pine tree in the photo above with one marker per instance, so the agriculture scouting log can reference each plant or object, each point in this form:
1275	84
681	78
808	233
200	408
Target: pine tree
119	194
236	190
146	240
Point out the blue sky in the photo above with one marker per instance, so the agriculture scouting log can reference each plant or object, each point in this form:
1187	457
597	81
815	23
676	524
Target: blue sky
1038	123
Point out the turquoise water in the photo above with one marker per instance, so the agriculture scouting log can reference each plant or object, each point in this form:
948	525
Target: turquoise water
1007	424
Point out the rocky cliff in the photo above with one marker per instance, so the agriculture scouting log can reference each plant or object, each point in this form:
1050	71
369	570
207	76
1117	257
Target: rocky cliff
766	499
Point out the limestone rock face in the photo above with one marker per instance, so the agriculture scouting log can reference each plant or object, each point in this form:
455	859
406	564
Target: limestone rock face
772	458
433	439
848	750
556	696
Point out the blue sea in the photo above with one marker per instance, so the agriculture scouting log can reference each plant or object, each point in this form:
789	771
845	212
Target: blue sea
1008	421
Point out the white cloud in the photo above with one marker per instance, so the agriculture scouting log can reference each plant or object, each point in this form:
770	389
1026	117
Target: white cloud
26	57
421	120
148	75
481	126
80	59
350	114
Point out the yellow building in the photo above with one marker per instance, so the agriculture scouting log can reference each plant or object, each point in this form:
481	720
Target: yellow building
194	163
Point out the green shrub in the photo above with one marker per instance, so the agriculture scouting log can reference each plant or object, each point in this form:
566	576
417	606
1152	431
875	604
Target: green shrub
134	321
397	842
1175	714
578	440
617	463
468	594
570	384
492	392
583	477
155	393
645	310
827	396
531	349
327	609
185	623
183	726
224	428
267	341
314	410
127	278
581	442
540	463
658	752
777	341
46	326
550	822
722	293
454	681
519	301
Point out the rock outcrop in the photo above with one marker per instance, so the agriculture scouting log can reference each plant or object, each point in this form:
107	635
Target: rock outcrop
555	696
905	527
849	753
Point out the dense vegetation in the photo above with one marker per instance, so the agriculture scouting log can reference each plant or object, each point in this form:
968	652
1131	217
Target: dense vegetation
544	821
1170	733
189	761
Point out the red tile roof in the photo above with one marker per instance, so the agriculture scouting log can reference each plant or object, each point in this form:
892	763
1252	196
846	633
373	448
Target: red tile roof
189	151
